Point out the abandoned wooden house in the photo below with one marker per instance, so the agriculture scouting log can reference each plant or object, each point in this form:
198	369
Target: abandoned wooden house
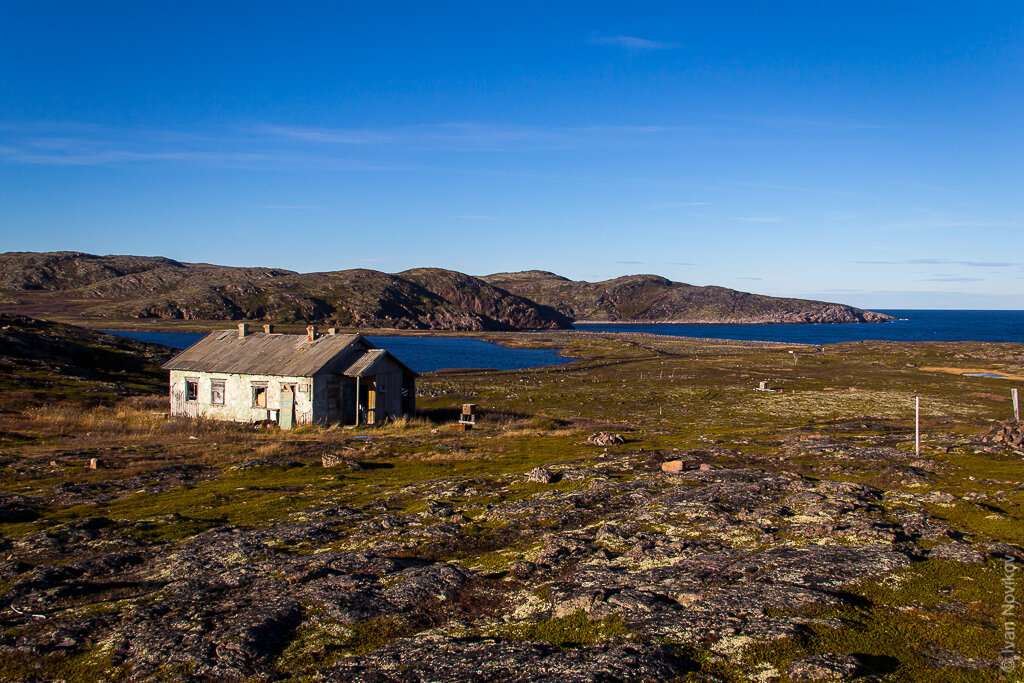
290	379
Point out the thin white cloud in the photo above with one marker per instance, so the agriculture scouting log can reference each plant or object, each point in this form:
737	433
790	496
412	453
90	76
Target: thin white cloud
261	144
943	262
289	207
635	43
791	188
952	278
938	223
805	123
677	205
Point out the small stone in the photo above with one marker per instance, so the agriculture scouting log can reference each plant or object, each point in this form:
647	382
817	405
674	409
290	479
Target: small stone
539	475
704	467
95	464
604	439
672	466
522	569
335	460
957	552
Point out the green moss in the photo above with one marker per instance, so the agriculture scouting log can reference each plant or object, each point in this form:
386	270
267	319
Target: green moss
572	631
933	606
90	665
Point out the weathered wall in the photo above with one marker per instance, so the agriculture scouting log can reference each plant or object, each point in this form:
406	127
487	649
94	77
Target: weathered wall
238	397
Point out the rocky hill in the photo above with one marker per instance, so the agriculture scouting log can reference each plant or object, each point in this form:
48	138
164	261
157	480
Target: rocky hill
40	360
650	298
122	287
73	284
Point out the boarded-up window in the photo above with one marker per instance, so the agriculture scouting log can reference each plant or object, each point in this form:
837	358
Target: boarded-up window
191	389
259	395
217	392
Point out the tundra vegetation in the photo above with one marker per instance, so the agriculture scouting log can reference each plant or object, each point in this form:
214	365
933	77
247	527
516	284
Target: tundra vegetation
801	537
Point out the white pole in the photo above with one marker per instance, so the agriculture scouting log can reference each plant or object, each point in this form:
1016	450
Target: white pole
1016	406
917	425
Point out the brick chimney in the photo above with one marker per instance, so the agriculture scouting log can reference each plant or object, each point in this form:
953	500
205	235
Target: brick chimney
269	329
243	329
310	333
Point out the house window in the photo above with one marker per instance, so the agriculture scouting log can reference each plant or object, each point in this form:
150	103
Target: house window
217	392
259	395
191	389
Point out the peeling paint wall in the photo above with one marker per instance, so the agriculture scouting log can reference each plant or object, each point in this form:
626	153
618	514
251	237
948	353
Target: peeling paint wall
238	396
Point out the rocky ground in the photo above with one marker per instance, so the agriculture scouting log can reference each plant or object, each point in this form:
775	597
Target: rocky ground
524	550
611	570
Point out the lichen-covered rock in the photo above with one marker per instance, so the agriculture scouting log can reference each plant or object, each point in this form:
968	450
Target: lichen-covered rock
539	475
824	667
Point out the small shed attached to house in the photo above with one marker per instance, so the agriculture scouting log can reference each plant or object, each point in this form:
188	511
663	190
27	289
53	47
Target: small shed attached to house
290	379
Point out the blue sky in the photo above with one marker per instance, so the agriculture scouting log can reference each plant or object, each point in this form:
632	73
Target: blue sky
870	153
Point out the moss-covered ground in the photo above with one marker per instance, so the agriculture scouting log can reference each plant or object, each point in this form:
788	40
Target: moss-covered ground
662	394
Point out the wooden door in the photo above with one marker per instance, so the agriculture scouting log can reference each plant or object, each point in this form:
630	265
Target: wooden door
287	415
371	400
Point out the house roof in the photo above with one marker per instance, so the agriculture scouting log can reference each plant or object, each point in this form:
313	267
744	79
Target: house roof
258	353
367	363
362	366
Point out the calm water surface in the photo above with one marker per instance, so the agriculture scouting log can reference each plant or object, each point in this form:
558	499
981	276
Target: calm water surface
422	354
426	354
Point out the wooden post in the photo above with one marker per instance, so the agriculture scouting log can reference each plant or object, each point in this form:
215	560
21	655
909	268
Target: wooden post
917	425
357	400
1016	405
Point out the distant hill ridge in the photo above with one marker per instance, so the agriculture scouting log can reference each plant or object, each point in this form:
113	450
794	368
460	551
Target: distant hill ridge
75	284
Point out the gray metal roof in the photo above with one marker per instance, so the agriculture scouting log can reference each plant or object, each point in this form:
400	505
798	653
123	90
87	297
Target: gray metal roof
258	353
363	364
367	363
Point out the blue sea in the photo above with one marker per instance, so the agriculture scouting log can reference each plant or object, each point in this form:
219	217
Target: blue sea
911	325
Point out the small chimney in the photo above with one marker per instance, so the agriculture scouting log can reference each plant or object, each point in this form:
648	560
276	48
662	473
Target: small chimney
332	331
269	329
310	333
243	329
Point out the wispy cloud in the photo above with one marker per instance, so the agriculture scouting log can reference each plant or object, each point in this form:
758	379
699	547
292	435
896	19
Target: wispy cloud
791	188
939	223
749	278
677	205
635	43
289	207
469	136
943	262
759	219
804	123
953	278
74	144
656	263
